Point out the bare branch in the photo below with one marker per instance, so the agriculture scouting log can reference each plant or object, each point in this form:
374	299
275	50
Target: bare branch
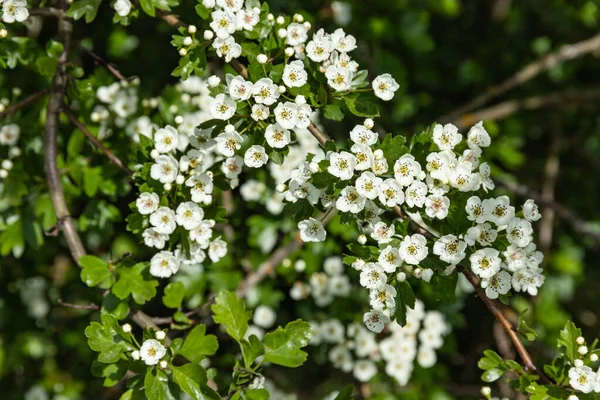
24	102
99	60
90	306
567	52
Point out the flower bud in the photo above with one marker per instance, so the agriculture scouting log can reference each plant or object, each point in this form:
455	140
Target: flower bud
135	354
209	174
2	107
582	350
14	152
135	81
154	102
307	25
229	128
578	363
208	3
186	98
213	81
167	187
178	119
313	167
154	153
300	100
369	123
3	174
282	187
182	52
378	154
300	265
286	262
192	29
280	20
298	18
289	51
261	58
126	328
208	34
401	276
187	41
17	91
180	179
95	116
362	239
572	397
160	335
281	89
163	364
486	391
580	340
593	357
270	17
3	33
417	273
173	108
282	33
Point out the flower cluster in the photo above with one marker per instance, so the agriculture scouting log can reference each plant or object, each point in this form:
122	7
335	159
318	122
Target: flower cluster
9	136
357	350
14	11
581	376
325	286
119	103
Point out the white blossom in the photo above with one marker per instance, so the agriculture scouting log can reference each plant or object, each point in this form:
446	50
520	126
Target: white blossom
14	10
222	107
342	165
350	200
223	23
437	206
311	230
201	188
147	203
153	238
413	249
152	351
497	284
163	220
375	321
519	232
385	87
485	263
531	211
255	156
368	184
189	215
478	136
294	74
9	134
450	249
165	139
390	193
228	143
265	92
227	49
446	137
277	137
286	114
361	135
164	264
240	89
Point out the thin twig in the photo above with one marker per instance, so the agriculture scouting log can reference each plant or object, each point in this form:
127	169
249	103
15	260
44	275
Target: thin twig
111	156
24	102
567	52
551	170
90	306
109	66
47	12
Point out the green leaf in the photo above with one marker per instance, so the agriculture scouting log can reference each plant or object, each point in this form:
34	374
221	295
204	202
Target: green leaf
524	330
108	339
92	177
444	287
347	393
230	312
54	48
94	271
133	281
198	345
252	349
405	297
490	360
46	65
202	11
333	112
112	373
393	148
492	375
149	5
192	379
282	347
156	385
276	73
174	293
255	394
362	106
568	340
87	8
323	180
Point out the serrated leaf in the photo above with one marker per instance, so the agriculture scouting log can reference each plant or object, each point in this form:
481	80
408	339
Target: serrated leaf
198	345
108	339
191	378
174	293
322	180
230	312
81	8
568	340
405	297
156	385
333	112
444	287
94	271
133	281
492	375
252	349
362	106
282	347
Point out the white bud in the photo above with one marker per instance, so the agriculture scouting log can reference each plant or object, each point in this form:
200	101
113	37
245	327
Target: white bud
280	20
3	174
3	33
580	340
135	81
178	119
362	239
187	41
572	397
256	10
192	29
262	58
578	363
208	34
182	52
286	262
369	123
180	179
186	98
213	81
282	33
154	102
582	350
5	101
2	107
124	84
154	153
298	18
160	335
307	25
321	69
95	116
417	273
167	187
300	265
14	152
486	391
593	357
281	89
300	100
289	51
378	154
173	108
401	276
209	174
282	187
126	328
229	128
17	91
135	354
163	364
313	167
184	165
208	3
270	17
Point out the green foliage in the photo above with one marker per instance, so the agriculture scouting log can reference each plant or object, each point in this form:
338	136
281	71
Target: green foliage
134	281
108	339
198	345
230	312
405	299
283	346
84	8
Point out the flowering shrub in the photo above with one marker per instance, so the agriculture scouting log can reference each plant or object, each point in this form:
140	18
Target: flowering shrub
417	214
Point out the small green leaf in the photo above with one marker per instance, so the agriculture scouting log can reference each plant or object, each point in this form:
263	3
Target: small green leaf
108	339
94	271
333	112
156	385
81	8
252	349
323	180
174	293
198	345
405	297
347	393
444	287
46	65
230	312
135	282
492	375
282	347
362	106
568	340
192	379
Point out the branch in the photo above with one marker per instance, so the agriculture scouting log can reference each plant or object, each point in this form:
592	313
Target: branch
47	12
24	102
114	159
567	52
99	60
90	306
509	107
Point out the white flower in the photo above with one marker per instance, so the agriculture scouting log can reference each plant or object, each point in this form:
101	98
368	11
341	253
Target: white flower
450	249
364	370
519	232
501	212
375	321
189	215
260	112
223	23
232	166
122	7
383	297
15	10
277	137
339	285
165	139
531	211
342	165
385	86
247	19
525	280
390	193
240	89
497	284
228	143
311	230
416	194
152	238
440	164
382	232
331	331
413	249
164	169
486	180
265	92
296	34
107	94
147	203
446	137
217	250
152	351
477	210
294	74
372	276
222	107
484	234
333	266
164	264
361	135
368	184
343	60
463	179
338	78
407	169
201	188
9	134
264	316
303	113
255	156
437	206
389	259
320	47
485	263
342	42
582	378
350	200
478	136
286	114
516	257
163	220
227	48
364	156
202	233
229	5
